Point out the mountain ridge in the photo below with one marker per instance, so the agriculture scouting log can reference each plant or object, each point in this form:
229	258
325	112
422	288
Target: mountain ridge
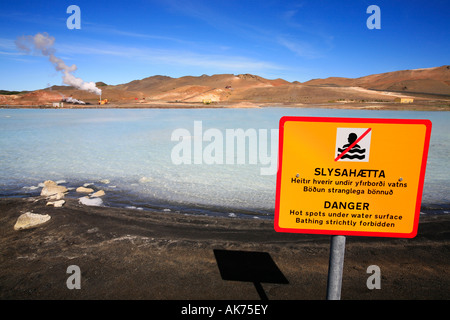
230	88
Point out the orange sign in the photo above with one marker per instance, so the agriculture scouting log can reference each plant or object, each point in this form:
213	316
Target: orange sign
351	176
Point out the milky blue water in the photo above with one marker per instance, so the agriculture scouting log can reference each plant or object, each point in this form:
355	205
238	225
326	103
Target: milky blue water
129	154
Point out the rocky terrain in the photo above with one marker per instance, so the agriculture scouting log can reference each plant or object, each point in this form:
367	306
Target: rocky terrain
131	254
429	86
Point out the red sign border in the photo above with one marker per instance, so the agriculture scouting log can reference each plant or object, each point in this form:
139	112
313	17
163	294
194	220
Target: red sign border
413	233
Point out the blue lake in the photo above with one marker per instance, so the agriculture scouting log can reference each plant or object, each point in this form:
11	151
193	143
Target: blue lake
133	154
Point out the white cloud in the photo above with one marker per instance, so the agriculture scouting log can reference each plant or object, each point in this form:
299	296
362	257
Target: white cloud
226	63
7	44
109	30
300	48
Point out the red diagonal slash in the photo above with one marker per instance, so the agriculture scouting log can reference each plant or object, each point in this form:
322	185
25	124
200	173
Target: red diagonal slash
353	144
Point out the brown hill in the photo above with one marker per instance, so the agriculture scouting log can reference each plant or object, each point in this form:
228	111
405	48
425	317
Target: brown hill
38	97
229	88
253	88
429	80
243	88
161	84
219	87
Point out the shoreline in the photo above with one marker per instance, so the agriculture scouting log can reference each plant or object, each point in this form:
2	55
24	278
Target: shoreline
116	198
416	106
129	254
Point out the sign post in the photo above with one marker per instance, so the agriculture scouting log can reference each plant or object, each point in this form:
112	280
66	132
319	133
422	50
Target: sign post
336	267
350	177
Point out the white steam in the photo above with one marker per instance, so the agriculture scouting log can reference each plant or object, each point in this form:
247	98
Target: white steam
43	43
72	100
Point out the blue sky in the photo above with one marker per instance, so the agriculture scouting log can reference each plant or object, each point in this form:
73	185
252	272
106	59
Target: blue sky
295	40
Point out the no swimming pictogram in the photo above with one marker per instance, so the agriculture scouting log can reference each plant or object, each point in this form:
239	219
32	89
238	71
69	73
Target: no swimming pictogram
353	144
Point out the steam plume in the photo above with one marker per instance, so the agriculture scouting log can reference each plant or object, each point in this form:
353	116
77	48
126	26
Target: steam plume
43	43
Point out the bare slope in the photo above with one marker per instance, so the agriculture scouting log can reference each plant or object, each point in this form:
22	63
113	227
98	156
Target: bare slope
252	88
429	80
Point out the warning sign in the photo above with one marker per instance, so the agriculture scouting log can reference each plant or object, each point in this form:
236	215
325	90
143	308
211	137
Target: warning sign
351	176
